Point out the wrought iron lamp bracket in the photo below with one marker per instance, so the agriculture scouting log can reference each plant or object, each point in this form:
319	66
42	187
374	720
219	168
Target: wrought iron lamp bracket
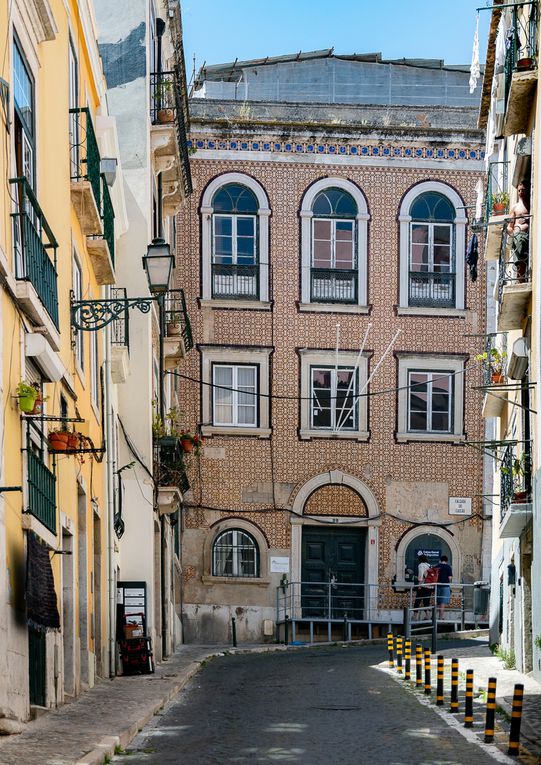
92	315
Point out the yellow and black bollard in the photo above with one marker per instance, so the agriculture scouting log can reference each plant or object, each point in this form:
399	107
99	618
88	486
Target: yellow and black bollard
399	654
439	682
468	708
491	710
454	685
390	648
516	719
418	665
407	659
428	682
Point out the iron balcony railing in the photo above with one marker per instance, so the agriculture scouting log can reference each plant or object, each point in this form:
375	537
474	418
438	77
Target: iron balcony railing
495	356
431	289
108	218
333	285
120	326
497	187
521	42
32	238
176	312
85	154
163	105
169	465
234	281
41	491
515	477
514	262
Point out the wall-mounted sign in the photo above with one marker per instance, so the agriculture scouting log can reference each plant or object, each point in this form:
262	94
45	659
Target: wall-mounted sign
459	505
279	565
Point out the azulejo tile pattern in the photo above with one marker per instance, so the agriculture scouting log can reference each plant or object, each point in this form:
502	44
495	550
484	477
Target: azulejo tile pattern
464	152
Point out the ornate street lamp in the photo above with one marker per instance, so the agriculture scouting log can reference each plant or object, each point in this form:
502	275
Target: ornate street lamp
92	315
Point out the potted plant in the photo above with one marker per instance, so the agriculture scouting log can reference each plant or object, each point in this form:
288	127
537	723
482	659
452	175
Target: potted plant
496	360
174	325
521	466
58	440
73	439
163	97
27	395
191	442
500	202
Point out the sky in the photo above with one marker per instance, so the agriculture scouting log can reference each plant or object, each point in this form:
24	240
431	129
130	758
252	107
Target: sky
217	32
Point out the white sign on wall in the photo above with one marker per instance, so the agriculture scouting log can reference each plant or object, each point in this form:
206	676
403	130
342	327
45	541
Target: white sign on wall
279	565
459	505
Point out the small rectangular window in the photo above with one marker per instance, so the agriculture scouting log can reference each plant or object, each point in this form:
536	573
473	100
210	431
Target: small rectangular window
235	395
334	403
430	402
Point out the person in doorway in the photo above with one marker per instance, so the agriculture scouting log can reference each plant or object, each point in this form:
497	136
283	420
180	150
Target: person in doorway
422	594
518	228
443	594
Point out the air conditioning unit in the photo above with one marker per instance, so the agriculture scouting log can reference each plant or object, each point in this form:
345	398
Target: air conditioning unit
517	365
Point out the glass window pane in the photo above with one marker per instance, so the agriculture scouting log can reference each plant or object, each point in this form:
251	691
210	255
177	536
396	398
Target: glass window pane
442	235
246	377
223	225
440	422
418	421
322	229
245	226
344	231
234	198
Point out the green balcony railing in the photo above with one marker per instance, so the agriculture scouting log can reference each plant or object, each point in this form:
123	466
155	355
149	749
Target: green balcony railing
32	238
497	187
521	42
515	477
108	217
41	491
177	312
85	154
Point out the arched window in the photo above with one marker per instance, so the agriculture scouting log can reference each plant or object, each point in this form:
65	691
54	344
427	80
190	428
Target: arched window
235	553
430	545
334	251
234	243
334	221
432	263
432	248
235	240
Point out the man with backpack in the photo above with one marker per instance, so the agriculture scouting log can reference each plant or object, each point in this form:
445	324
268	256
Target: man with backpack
443	588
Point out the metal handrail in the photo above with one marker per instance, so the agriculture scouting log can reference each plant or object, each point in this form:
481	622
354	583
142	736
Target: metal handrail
32	262
521	42
235	281
176	311
510	269
108	217
120	326
162	95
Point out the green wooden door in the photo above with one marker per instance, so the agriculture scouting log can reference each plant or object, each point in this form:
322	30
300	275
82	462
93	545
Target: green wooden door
37	666
332	573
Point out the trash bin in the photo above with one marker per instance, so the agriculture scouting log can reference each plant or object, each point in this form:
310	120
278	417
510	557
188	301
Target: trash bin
481	594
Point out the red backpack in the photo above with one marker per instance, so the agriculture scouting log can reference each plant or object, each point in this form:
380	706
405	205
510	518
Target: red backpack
431	576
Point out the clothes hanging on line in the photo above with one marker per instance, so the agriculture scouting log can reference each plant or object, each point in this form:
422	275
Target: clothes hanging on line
472	256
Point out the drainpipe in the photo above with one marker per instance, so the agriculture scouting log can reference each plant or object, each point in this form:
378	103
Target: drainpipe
110	462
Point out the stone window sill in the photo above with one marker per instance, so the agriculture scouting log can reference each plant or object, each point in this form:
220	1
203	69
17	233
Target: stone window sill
432	437
307	434
253	581
224	430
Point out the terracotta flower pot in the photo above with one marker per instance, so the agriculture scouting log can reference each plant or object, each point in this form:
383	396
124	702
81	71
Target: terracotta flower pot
38	405
73	441
497	378
498	208
174	328
520	497
165	115
524	63
187	444
58	442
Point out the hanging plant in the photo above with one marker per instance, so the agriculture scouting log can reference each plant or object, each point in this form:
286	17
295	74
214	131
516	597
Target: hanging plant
27	395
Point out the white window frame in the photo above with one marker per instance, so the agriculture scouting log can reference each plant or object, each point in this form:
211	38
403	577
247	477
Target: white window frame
234	356
262	242
236	532
431	378
234	237
408	362
360	244
459	238
333	222
310	359
234	395
336	417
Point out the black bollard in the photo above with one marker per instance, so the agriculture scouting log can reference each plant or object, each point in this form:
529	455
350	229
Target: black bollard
516	719
454	685
439	682
234	631
407	658
491	710
418	665
286	630
428	681
390	648
468	707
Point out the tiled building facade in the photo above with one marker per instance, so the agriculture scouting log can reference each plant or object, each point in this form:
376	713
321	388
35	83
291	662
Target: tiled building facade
289	477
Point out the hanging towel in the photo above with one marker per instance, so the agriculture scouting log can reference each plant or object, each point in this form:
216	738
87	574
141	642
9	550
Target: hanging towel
475	69
472	256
